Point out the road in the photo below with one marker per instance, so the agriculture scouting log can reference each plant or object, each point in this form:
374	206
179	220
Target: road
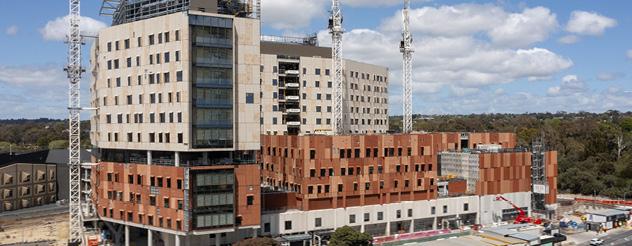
617	238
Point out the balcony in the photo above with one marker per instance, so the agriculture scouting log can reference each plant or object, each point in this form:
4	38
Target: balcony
291	72
293	123
293	110
292	98
292	85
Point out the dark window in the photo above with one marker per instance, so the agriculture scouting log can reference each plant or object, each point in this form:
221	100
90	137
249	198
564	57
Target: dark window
352	218
398	213
466	207
410	212
445	209
367	217
288	225
380	215
250	200
318	222
250	98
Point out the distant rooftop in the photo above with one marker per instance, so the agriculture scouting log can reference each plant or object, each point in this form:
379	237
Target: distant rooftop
126	11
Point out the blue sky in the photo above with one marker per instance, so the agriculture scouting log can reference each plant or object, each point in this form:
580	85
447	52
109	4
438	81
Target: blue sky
471	56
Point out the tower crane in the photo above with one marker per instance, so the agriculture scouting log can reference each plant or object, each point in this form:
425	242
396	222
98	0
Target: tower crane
406	47
74	71
336	31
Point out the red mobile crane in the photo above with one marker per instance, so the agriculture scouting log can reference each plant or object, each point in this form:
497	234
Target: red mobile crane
522	216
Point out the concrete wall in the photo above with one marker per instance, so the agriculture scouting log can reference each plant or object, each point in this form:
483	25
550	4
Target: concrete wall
485	207
365	95
246	80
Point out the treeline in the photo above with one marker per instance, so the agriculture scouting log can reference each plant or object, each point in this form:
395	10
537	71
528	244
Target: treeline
23	135
595	150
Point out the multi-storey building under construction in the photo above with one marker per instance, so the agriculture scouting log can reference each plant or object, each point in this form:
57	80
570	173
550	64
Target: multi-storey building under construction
208	133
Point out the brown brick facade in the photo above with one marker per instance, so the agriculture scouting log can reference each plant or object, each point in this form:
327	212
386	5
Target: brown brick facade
345	171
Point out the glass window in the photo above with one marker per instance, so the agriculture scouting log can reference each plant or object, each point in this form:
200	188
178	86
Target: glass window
250	98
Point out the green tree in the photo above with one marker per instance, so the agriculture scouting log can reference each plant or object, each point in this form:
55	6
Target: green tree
58	144
347	236
260	241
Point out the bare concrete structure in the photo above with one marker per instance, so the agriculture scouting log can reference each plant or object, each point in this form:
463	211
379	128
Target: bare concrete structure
297	91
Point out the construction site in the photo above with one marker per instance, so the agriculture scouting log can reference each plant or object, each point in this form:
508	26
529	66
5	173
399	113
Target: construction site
207	132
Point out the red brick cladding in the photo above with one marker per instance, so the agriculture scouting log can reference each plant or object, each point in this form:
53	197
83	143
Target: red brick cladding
504	173
118	181
550	158
306	164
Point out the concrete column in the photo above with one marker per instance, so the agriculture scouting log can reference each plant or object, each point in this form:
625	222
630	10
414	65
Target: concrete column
150	238
126	235
434	223
149	157
177	159
362	228
177	237
388	228
217	239
254	233
412	226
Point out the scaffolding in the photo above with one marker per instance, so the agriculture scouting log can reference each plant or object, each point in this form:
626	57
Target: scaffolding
311	39
538	174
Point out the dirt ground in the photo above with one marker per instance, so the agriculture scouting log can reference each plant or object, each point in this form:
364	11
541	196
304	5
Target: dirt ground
53	228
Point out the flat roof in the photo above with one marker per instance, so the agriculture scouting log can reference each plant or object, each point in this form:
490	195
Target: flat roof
296	50
608	212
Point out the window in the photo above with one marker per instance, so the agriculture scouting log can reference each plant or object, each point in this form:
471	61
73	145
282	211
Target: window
317	71
410	212
288	225
152	200
352	219
177	55
318	222
166	77
165	201
340	187
367	217
380	215
250	98
398	213
266	227
126	43
445	209
250	200
177	35
466	207
167	57
179	76
139	42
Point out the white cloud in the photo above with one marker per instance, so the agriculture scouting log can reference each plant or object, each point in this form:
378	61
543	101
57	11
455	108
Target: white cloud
454	55
32	76
609	76
522	29
12	30
589	23
373	3
292	14
569	39
456	20
629	54
571	84
58	29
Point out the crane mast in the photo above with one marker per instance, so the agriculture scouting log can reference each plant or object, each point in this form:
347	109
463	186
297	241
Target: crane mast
74	71
407	50
336	31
